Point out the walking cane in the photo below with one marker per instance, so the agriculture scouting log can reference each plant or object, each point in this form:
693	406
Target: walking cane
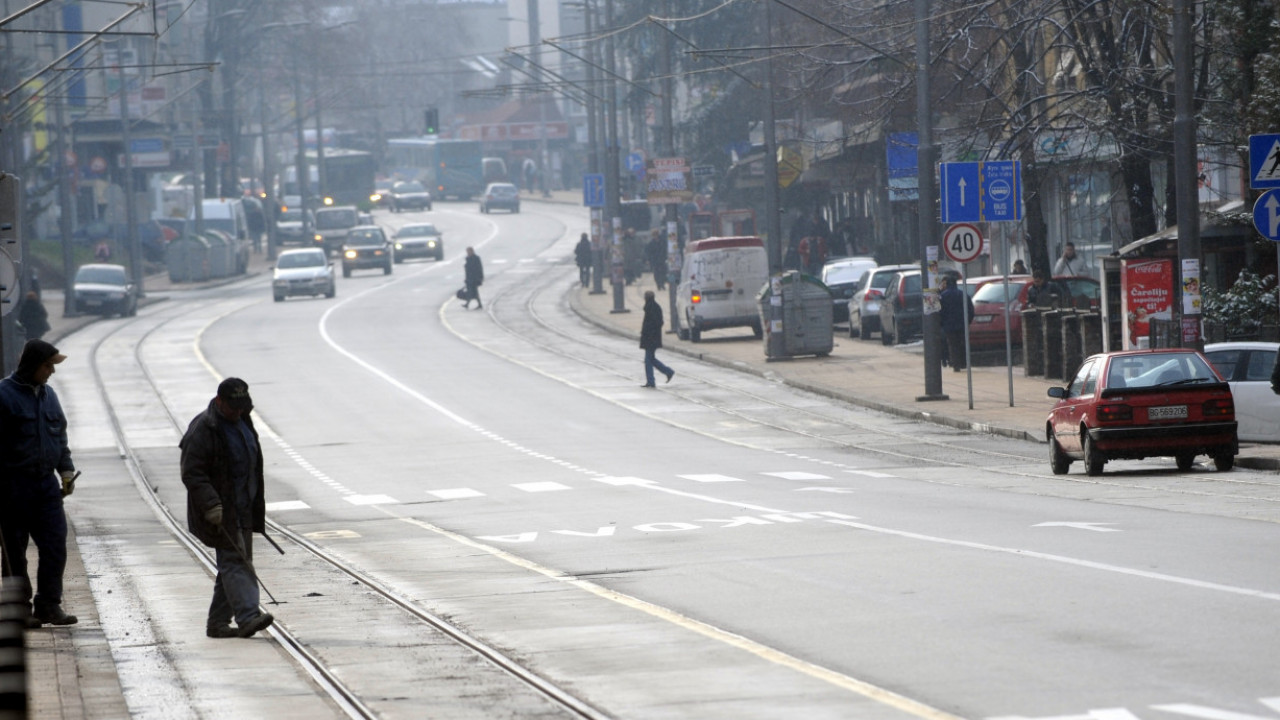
249	563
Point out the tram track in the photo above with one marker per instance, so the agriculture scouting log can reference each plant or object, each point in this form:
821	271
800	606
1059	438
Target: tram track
344	697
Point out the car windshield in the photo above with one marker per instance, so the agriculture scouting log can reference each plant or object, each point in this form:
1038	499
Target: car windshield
843	273
994	291
333	219
880	280
417	231
409	187
365	237
298	260
502	189
291	215
1157	369
101	275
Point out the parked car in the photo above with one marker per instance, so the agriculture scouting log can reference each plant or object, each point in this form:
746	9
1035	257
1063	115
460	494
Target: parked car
719	282
902	309
419	240
841	278
103	289
1142	403
367	246
289	226
409	195
863	308
305	271
990	301
1247	367
504	196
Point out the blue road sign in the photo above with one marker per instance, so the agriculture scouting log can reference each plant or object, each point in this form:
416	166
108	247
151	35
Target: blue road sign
959	191
1266	215
1001	191
1264	161
593	190
635	163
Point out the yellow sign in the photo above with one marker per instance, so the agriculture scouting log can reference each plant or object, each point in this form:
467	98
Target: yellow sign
790	165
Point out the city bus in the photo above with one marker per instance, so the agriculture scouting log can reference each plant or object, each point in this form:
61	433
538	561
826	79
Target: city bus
449	168
348	178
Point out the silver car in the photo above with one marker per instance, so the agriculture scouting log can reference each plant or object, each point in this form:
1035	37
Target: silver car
418	240
864	305
303	272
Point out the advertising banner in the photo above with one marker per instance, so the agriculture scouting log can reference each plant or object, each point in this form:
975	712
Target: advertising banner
667	181
1146	288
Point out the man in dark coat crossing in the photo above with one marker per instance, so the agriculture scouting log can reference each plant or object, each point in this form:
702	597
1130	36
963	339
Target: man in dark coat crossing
651	340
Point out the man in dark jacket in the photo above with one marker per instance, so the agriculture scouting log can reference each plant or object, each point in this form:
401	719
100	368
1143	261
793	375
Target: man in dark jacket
473	278
33	454
656	252
957	311
33	316
222	469
582	256
651	340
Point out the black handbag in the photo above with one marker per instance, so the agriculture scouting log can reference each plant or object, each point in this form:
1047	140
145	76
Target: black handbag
462	293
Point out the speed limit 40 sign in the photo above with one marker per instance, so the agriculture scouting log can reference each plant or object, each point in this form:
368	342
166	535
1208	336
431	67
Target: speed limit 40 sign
962	242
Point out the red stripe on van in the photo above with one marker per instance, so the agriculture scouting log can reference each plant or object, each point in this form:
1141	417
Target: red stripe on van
718	243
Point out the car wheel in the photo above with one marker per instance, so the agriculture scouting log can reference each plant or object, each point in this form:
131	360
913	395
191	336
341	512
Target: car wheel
386	269
428	207
886	337
1185	461
1224	461
399	259
440	256
346	271
279	298
695	332
1058	460
683	333
333	290
1093	459
864	332
758	330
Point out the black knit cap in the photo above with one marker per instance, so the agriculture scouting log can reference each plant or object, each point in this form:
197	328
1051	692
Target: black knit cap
235	392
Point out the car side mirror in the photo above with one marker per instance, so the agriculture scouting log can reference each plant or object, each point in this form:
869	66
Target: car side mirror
1057	392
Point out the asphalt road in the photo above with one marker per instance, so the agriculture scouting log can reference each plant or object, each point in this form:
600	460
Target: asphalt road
720	547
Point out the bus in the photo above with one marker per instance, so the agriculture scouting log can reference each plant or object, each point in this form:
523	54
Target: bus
449	168
348	178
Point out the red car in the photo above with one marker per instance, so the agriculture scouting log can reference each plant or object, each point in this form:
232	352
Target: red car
1142	403
987	329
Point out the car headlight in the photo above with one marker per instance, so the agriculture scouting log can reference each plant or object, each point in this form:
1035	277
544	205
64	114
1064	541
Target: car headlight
431	243
328	201
399	246
375	197
350	254
319	237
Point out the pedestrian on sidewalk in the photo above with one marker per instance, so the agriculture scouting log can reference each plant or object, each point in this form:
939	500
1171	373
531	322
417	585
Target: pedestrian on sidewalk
957	311
582	256
222	469
33	454
651	340
33	317
473	277
656	252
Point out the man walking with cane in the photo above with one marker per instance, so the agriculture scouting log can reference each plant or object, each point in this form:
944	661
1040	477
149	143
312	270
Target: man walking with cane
222	469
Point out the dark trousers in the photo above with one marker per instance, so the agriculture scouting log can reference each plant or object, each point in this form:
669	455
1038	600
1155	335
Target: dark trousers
651	361
473	293
660	274
235	589
43	522
955	349
584	274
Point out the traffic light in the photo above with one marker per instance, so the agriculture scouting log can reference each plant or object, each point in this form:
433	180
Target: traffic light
431	118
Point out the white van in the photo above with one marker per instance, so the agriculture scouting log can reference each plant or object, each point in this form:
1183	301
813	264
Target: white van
718	285
227	215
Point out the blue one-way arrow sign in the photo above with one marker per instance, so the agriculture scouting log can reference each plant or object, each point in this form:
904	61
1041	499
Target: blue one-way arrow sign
960	186
1266	214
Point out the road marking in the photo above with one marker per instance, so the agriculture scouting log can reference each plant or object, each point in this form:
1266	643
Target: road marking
1094	526
836	490
870	473
283	505
371	500
455	493
710	478
535	487
797	475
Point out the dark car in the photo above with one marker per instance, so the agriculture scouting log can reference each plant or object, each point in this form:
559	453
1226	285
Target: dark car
864	305
289	226
902	309
409	195
419	240
1142	403
105	290
502	196
367	247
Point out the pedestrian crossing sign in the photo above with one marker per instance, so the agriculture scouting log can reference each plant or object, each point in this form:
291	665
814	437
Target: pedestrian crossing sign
1264	161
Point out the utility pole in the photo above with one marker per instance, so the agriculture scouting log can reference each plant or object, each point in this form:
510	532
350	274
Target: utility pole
596	135
64	208
669	150
772	222
612	181
130	218
1186	184
926	159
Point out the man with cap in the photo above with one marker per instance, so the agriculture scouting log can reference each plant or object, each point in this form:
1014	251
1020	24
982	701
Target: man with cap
36	473
222	469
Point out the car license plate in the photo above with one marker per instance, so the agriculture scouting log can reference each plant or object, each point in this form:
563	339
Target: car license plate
92	303
1167	412
983	318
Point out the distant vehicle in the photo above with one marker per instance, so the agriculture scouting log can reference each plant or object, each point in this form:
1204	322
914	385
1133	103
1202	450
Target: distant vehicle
719	281
409	195
381	192
841	277
495	169
502	196
447	168
989	302
348	178
418	240
1142	403
902	309
332	225
228	216
1247	366
306	271
863	308
103	289
289	228
367	246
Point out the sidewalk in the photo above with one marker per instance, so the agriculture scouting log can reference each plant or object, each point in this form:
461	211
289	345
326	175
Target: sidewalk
869	374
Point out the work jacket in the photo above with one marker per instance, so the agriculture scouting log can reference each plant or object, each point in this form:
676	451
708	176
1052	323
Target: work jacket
206	471
33	439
